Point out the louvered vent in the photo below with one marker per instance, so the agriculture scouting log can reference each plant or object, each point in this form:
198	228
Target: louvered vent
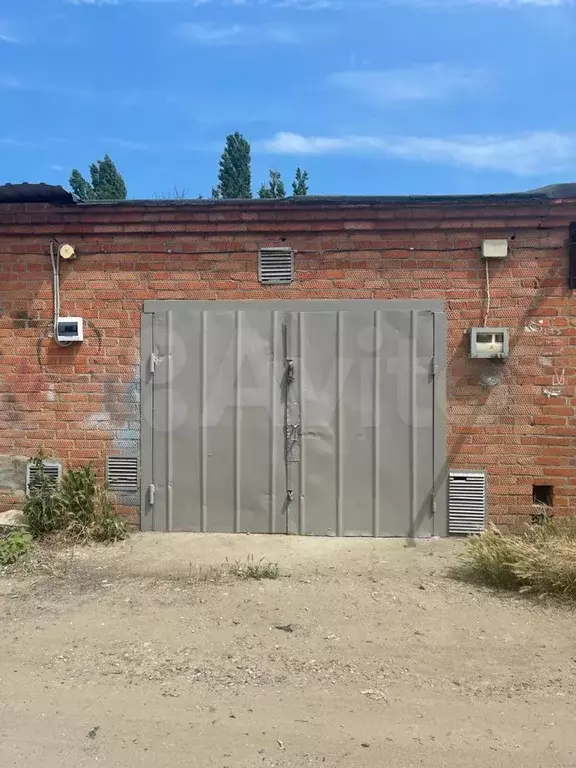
466	503
276	266
122	473
52	471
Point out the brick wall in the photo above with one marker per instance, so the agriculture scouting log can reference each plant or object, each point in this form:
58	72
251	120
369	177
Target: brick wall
81	403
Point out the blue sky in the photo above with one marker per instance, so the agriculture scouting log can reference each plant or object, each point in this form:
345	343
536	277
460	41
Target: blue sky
370	96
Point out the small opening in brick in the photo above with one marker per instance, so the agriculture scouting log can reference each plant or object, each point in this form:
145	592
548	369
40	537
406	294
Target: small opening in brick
543	495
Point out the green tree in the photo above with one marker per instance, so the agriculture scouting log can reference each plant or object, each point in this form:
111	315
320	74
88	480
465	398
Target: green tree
300	183
107	182
234	174
275	187
80	186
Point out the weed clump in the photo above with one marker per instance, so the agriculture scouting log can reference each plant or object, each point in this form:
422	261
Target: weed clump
254	569
541	560
14	547
79	507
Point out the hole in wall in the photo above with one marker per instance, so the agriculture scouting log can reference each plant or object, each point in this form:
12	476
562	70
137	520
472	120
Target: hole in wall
543	495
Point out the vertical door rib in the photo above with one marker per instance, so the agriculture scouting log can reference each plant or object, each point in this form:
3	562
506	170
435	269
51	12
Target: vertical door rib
376	429
439	429
203	444
413	423
169	422
338	424
147	513
273	418
302	422
286	352
237	419
433	385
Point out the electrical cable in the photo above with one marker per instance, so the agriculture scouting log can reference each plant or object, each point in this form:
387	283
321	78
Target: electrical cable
301	251
488	297
54	259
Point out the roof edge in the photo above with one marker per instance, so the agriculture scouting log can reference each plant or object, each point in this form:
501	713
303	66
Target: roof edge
344	200
36	193
58	195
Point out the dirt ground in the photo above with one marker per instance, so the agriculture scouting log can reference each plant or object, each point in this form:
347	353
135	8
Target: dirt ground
127	657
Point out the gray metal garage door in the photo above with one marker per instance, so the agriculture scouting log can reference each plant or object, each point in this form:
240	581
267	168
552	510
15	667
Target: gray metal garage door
293	417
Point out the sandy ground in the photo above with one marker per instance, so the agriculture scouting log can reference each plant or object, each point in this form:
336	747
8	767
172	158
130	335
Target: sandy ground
127	657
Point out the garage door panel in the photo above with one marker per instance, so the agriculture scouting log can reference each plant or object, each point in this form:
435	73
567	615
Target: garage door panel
220	448
311	422
184	431
392	424
423	421
260	427
317	366
356	416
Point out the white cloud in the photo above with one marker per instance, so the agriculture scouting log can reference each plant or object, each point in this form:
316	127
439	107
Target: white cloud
336	5
56	167
433	82
488	3
310	5
522	155
132	146
235	34
302	5
544	3
9	142
7	34
94	2
9	82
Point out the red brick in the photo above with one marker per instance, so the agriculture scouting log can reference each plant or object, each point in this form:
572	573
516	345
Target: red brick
381	251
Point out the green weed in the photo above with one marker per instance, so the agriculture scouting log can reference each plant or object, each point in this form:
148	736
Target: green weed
14	547
80	508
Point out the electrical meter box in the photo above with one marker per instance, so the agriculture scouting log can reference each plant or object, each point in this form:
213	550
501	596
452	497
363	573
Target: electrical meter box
69	329
494	249
489	343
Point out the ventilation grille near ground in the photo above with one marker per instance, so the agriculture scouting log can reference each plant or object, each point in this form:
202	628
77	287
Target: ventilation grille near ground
276	266
466	503
122	473
52	471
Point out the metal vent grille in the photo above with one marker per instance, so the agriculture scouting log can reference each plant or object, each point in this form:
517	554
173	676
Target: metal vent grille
276	266
52	471
122	473
466	503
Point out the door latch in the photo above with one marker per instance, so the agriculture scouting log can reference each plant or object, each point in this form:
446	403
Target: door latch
290	375
151	494
289	496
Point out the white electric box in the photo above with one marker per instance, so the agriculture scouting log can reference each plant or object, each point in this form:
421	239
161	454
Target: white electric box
69	329
494	249
489	343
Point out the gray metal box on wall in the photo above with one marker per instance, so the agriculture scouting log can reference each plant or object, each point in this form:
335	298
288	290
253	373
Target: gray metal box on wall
466	502
489	343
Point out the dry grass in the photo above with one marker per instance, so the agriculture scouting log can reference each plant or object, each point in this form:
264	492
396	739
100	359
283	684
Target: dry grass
54	556
237	569
541	560
254	569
